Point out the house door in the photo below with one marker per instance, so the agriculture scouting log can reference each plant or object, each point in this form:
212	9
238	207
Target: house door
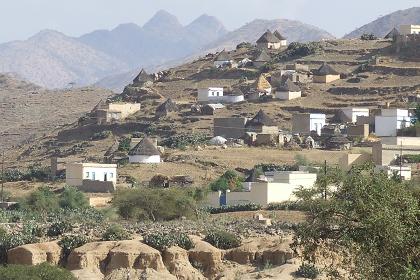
105	177
223	199
93	176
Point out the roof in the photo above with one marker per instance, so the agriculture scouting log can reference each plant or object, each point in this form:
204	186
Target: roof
261	84
142	77
326	69
268	37
223	56
261	118
288	85
234	92
144	148
394	32
263	56
278	35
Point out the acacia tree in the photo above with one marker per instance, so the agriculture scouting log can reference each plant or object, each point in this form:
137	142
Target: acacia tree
371	221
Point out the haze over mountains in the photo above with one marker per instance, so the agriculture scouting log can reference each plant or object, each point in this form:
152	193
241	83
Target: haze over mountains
52	59
383	25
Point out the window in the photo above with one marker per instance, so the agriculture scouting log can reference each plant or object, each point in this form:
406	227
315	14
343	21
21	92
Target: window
87	175
111	175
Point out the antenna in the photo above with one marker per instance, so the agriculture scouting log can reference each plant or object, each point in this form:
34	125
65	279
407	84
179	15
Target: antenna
2	178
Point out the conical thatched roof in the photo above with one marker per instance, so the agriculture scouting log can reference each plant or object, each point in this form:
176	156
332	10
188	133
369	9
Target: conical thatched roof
288	85
223	56
268	37
326	69
278	35
142	77
261	84
166	107
393	33
338	140
144	148
263	57
261	118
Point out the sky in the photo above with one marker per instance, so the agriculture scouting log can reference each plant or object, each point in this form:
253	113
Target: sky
20	19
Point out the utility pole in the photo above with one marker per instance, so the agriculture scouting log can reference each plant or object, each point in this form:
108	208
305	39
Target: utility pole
325	180
2	178
401	160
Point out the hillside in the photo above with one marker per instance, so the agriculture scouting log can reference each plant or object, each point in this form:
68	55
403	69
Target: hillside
383	25
29	111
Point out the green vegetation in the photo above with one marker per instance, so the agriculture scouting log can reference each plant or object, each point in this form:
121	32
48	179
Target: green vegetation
265	167
295	50
307	270
233	208
72	198
368	37
58	228
181	141
162	241
115	232
70	242
370	220
157	204
124	144
38	272
230	180
34	172
411	158
223	239
101	135
287	205
12	240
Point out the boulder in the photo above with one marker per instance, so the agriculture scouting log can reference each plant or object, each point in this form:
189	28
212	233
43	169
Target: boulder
33	254
243	255
176	261
136	255
91	274
91	256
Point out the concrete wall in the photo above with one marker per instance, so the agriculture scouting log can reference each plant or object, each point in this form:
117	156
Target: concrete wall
273	46
383	154
358	130
209	94
97	186
348	160
405	141
229	127
296	178
144	159
325	79
305	123
404	171
351	114
388	125
288	95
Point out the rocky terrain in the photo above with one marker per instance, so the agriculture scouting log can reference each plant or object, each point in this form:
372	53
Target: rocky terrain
385	24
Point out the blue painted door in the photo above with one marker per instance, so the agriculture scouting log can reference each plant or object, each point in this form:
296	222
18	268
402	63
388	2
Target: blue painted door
223	199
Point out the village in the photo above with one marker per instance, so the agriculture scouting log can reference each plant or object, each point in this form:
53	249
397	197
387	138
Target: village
257	113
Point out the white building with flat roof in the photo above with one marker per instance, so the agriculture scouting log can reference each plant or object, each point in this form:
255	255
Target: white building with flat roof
306	123
390	120
408	29
394	170
77	172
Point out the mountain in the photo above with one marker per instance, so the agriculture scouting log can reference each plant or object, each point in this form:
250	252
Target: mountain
383	25
294	31
51	59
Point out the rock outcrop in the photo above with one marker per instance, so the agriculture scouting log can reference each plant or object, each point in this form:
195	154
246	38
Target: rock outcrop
207	257
33	254
177	262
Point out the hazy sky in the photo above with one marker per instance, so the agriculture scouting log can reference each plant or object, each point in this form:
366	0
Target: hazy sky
20	19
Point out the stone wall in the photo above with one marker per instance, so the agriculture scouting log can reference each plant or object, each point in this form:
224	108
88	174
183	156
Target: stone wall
98	186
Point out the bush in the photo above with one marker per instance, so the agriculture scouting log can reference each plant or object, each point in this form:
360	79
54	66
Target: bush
233	208
288	206
155	204
368	37
101	135
230	180
10	241
124	144
307	271
223	239
38	272
114	233
70	242
58	228
162	241
42	200
72	198
183	140
266	167
296	49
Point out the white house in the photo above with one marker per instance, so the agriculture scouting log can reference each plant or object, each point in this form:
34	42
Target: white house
306	123
288	91
350	114
403	171
390	121
209	94
409	29
296	178
77	172
223	59
144	152
283	40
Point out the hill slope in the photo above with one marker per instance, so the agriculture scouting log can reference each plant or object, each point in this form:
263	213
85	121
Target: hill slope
383	25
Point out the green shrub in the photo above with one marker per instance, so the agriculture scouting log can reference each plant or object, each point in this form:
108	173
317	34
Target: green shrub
183	140
70	242
124	144
162	241
307	271
223	239
230	180
155	204
266	167
101	135
38	272
287	205
368	37
42	200
37	172
72	198
296	49
58	228
233	208
114	233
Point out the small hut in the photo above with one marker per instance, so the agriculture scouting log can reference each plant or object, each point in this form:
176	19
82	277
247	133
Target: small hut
268	41
338	142
262	123
262	59
326	74
165	108
144	152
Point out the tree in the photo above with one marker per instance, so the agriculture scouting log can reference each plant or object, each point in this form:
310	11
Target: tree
42	200
72	198
370	220
230	180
